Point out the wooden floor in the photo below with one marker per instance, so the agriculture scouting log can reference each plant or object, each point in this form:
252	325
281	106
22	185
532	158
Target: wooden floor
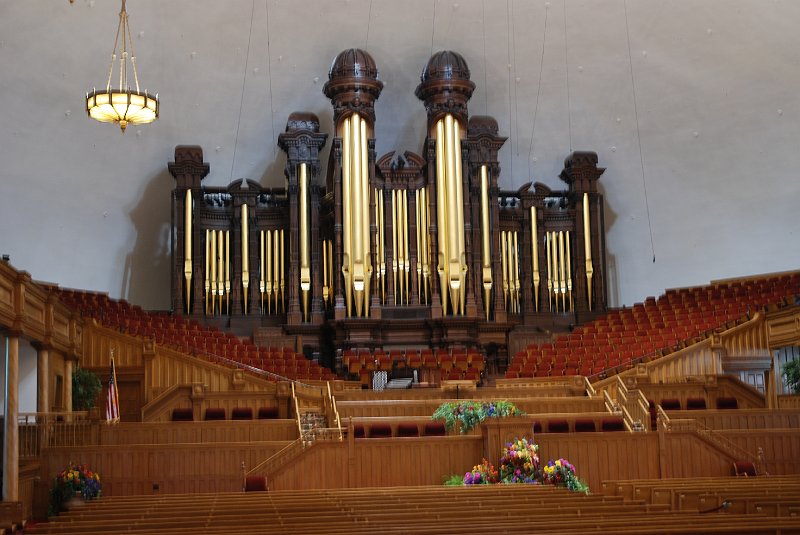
493	509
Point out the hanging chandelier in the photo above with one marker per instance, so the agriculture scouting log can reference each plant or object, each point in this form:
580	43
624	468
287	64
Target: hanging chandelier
122	105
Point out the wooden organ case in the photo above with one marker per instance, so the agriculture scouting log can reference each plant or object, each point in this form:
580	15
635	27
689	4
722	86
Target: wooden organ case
397	251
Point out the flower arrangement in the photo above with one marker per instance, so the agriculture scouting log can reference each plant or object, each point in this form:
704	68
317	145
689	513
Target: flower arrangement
74	480
561	473
482	474
470	414
520	462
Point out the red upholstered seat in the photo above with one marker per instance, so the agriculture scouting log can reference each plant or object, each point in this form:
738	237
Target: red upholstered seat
182	415
255	484
727	403
695	404
435	429
267	413
215	413
558	426
407	430
242	413
380	431
612	424
744	468
583	425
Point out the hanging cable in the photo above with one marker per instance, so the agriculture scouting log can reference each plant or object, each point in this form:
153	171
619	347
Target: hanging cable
638	134
244	79
566	69
269	79
433	25
369	22
516	89
485	67
538	90
512	69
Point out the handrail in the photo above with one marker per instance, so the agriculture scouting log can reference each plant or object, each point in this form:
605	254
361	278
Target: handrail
335	411
611	405
691	425
294	449
39	430
283	452
590	391
297	413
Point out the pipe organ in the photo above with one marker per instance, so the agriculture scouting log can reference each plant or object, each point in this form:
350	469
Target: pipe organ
431	239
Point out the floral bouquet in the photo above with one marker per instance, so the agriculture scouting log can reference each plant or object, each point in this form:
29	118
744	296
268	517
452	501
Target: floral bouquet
520	462
561	473
482	474
74	481
470	414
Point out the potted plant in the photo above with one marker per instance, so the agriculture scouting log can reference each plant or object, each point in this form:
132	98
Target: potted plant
85	388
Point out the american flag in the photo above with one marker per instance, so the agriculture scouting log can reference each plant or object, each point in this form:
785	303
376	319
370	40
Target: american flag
112	399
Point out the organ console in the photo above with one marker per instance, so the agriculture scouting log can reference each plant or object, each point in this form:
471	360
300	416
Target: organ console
402	249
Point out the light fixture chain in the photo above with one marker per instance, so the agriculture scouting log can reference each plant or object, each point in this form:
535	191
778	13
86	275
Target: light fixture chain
127	30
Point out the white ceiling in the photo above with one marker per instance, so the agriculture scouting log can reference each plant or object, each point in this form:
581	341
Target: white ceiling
692	107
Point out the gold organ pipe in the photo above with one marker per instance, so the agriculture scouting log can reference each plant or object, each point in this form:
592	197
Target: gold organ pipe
554	256
486	238
207	245
418	221
359	269
516	273
330	270
305	253
365	236
282	264
569	270
394	245
245	256
187	241
262	263
549	271
504	262
275	267
426	259
324	271
587	243
562	272
213	259
220	258
462	251
268	250
380	272
347	271
228	271
401	259
535	257
441	216
406	250
451	198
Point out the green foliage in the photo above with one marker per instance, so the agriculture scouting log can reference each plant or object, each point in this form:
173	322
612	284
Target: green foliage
453	481
85	387
791	370
74	481
470	414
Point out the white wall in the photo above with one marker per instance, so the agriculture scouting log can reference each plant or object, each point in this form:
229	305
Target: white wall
27	376
696	102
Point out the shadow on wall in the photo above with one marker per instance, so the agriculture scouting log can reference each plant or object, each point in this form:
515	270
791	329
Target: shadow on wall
146	276
612	280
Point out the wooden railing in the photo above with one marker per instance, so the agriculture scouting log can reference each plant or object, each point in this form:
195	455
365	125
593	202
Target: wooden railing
711	437
332	413
40	430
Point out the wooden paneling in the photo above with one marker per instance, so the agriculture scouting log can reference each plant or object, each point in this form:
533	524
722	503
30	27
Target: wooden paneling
427	407
177	468
686	455
780	447
743	418
195	432
379	463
